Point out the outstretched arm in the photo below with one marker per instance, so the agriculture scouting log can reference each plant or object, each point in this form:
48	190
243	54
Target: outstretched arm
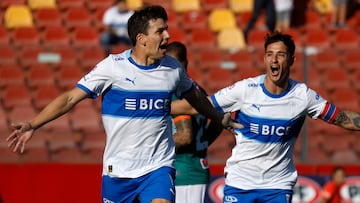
23	131
348	119
205	107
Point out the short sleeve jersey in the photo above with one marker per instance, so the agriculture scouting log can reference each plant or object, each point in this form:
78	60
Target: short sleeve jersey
262	157
136	111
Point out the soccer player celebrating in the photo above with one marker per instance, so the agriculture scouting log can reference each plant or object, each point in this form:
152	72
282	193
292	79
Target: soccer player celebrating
272	109
136	87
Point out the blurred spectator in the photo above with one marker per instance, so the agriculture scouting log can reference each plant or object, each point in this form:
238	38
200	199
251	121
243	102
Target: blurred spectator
115	20
270	15
339	13
283	10
331	190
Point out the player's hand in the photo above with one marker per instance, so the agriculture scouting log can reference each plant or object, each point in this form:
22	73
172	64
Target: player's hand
229	124
20	136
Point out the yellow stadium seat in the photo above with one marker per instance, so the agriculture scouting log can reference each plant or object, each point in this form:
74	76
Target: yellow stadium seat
221	18
38	4
18	16
240	6
231	39
181	6
134	4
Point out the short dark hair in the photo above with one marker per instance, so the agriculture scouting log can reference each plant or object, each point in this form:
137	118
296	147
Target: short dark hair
179	49
280	37
139	21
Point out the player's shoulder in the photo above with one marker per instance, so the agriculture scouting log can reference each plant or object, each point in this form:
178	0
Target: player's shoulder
170	62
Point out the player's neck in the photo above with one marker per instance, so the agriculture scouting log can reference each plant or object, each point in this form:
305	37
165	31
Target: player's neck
275	88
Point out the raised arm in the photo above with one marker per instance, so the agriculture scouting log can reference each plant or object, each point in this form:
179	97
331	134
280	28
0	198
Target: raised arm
23	131
348	119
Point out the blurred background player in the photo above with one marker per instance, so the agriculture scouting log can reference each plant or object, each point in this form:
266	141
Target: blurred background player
331	191
192	138
283	9
115	20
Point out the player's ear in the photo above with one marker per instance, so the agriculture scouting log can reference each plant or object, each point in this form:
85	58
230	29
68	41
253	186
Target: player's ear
140	38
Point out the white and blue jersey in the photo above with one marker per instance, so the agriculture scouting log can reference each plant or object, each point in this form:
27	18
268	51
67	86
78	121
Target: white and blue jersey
262	156
136	112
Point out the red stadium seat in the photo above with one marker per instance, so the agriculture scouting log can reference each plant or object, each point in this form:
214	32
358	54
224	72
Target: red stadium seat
68	76
193	19
94	5
351	59
336	78
317	38
43	95
47	17
6	3
209	5
211	58
256	39
67	4
86	119
76	17
7	55
89	57
173	18
31	56
4	36
346	39
242	59
68	56
21	113
25	37
202	38
85	37
219	78
312	21
16	96
346	98
325	60
177	34
55	36
40	75
11	75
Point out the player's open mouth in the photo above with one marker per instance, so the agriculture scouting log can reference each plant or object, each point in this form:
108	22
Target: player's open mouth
163	47
274	69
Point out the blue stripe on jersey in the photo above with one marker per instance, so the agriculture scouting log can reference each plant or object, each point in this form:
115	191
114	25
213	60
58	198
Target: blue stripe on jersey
269	130
216	104
89	92
136	104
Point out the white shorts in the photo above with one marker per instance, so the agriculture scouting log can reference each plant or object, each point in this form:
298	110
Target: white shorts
190	193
